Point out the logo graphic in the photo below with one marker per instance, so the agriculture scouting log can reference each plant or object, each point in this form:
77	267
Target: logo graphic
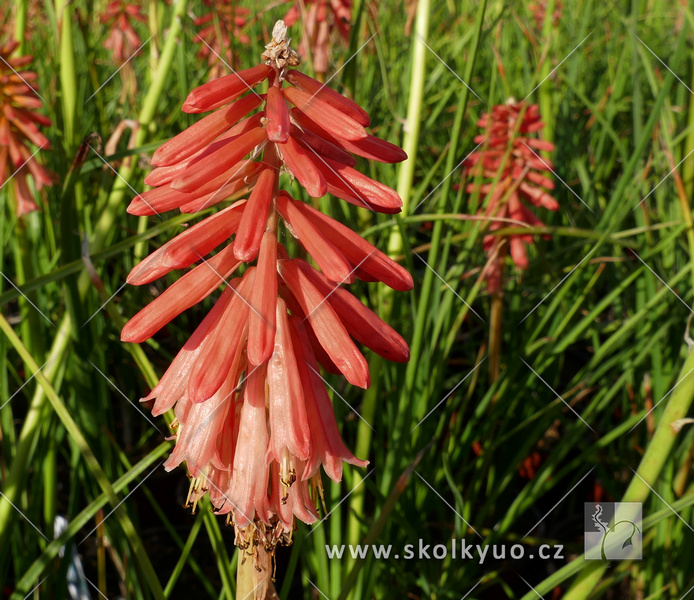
612	531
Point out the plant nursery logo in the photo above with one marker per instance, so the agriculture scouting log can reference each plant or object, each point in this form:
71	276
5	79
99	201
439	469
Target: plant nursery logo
612	531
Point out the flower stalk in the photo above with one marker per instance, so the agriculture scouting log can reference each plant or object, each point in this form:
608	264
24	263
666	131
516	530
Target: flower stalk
405	408
68	76
20	20
414	118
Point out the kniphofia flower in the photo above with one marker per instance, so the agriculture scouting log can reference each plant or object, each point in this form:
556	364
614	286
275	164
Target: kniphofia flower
516	176
321	20
539	11
122	39
218	31
35	19
19	126
255	422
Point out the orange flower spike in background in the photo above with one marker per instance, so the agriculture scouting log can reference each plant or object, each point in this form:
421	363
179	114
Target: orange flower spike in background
122	39
19	126
513	182
322	18
231	18
539	10
254	419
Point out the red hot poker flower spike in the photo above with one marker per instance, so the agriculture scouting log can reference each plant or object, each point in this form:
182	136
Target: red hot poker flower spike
539	10
19	126
323	18
513	182
215	34
254	419
122	39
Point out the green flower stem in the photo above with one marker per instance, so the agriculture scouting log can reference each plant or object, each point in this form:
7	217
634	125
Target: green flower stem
395	243
547	106
69	211
395	246
183	560
20	20
414	117
153	24
226	567
150	105
361	450
405	408
31	324
68	76
49	472
652	463
496	312
351	70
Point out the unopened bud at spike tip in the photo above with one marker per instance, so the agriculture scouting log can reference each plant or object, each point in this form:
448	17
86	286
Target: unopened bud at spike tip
279	32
